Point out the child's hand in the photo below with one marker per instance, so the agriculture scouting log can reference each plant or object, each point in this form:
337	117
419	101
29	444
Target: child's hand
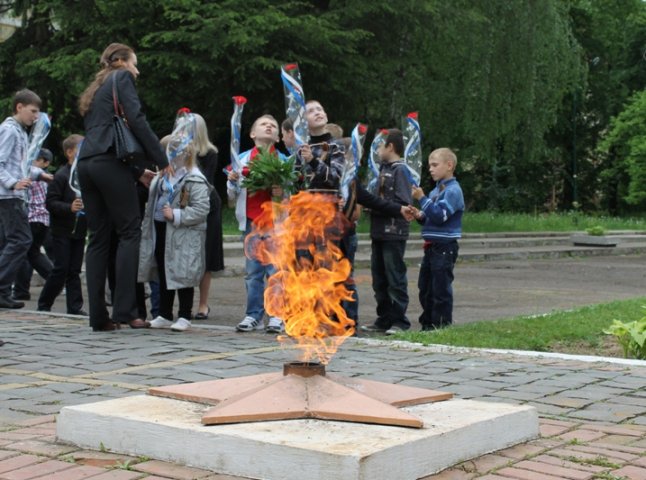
77	205
147	177
408	212
168	213
46	177
306	153
22	184
233	176
277	191
417	192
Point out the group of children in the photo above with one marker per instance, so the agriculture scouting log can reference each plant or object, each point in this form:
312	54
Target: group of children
174	247
321	164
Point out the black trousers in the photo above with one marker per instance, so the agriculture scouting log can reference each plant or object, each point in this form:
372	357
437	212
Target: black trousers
68	260
110	200
166	296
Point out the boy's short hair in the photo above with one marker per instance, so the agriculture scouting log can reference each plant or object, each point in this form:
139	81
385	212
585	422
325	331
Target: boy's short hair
26	97
72	142
446	155
266	115
395	138
335	130
46	155
287	125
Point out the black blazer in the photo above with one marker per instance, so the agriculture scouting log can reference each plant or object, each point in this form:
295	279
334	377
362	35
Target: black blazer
99	130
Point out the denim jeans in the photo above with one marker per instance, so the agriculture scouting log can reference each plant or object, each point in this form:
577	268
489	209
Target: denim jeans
435	289
390	283
15	243
255	275
349	247
35	260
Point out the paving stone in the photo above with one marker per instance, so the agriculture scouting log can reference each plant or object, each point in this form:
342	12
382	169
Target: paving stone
17	462
157	467
521	474
555	470
582	435
630	472
521	451
118	475
552	460
607	412
76	473
605	452
450	474
484	463
43	469
40	448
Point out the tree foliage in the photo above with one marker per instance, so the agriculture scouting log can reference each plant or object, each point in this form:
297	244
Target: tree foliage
497	81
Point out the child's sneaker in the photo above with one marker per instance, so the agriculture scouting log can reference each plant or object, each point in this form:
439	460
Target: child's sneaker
180	325
161	322
275	325
248	324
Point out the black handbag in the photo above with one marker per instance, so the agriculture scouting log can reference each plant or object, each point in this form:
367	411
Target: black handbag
126	146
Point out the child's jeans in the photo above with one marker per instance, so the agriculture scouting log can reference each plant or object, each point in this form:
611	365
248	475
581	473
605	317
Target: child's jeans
435	289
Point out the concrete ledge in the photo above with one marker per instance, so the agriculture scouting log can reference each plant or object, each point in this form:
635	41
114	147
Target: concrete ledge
593	240
170	430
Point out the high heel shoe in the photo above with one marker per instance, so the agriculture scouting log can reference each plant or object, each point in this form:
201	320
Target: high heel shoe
203	316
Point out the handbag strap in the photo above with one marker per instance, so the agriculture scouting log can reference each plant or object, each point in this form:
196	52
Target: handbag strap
118	109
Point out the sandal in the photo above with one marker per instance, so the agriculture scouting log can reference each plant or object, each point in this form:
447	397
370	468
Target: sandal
202	316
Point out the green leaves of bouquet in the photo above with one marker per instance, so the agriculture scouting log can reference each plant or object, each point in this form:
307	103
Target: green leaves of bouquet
268	170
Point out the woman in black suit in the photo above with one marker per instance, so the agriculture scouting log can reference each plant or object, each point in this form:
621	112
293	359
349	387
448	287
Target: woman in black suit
108	187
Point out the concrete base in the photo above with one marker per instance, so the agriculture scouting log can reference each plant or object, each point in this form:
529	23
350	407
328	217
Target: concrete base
170	430
584	239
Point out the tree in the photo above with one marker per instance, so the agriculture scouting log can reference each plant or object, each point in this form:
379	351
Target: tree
625	143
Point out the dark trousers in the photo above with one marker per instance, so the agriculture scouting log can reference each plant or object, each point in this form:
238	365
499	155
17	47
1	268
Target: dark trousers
166	296
435	285
140	291
68	260
110	200
15	241
35	260
389	283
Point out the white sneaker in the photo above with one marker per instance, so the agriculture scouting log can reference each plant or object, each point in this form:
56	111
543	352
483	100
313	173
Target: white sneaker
161	322
275	325
180	325
249	324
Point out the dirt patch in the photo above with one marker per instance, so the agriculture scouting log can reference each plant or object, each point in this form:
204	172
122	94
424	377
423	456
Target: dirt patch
607	347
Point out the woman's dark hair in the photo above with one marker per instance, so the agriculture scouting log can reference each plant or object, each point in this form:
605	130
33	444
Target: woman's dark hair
109	58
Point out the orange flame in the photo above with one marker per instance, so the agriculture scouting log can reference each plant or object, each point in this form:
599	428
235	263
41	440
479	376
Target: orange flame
306	291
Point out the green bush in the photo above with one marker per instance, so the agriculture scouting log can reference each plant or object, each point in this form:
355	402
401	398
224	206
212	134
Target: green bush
631	336
596	231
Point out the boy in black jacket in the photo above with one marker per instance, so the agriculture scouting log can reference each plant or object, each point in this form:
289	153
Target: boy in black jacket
389	236
68	228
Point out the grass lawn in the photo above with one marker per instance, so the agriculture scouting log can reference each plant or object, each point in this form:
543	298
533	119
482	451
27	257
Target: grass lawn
577	331
485	222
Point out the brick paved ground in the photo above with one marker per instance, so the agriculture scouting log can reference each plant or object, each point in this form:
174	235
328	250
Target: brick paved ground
593	415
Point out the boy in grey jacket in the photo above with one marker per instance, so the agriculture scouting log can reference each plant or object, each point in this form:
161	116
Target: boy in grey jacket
15	234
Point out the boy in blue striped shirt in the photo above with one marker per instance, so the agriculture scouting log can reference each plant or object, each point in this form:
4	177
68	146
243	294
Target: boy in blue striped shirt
441	217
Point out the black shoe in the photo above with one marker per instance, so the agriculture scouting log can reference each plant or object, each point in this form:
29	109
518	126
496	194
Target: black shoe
372	328
6	302
80	312
21	296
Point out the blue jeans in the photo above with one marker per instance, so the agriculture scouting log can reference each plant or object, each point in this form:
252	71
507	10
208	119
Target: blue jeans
435	289
349	245
255	276
390	283
15	243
